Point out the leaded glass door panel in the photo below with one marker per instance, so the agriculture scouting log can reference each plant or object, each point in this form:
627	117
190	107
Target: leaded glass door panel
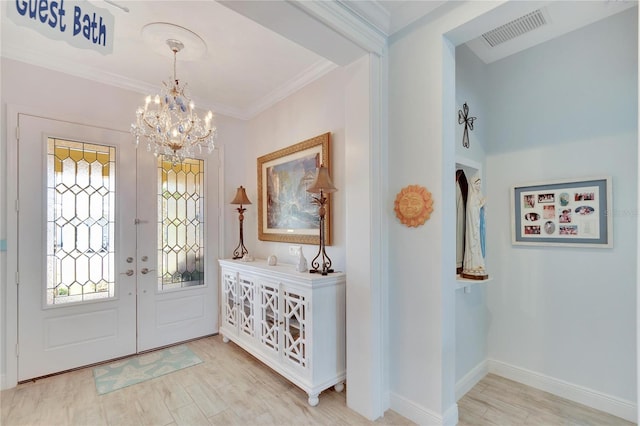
116	247
77	293
177	249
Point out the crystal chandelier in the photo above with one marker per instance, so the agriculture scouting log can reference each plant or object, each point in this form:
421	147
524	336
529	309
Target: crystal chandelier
169	123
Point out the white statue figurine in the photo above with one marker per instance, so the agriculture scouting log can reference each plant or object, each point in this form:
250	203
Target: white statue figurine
474	267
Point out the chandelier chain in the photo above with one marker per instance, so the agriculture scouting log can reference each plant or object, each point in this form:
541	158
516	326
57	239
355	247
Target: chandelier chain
175	56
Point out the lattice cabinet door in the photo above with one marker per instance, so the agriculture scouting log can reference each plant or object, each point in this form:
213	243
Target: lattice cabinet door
229	299
246	290
295	321
269	305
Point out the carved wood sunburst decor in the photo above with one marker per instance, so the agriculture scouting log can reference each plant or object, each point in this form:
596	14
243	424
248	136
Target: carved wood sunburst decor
413	205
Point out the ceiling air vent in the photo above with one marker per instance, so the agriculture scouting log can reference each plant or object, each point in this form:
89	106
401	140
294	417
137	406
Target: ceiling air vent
515	28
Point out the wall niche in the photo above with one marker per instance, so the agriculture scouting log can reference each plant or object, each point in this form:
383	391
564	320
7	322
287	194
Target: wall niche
466	170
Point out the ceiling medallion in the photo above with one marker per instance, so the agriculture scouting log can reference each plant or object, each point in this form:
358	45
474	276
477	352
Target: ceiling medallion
156	34
413	205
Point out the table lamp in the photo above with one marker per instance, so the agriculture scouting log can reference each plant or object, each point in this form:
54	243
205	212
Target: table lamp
321	264
241	198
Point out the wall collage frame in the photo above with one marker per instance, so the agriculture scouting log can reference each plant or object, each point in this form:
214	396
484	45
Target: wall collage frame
563	213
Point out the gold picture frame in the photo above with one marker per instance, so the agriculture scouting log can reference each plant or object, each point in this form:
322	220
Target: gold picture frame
286	212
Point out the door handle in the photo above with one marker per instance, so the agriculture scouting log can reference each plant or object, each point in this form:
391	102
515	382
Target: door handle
128	273
145	271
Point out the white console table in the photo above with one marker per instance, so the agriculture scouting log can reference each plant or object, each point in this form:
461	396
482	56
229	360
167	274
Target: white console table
294	322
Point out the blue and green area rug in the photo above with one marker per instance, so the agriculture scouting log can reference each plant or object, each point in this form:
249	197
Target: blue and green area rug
130	371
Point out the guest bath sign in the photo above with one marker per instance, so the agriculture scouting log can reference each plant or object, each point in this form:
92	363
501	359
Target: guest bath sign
79	23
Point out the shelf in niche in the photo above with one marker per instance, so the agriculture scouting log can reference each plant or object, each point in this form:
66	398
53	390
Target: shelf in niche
467	284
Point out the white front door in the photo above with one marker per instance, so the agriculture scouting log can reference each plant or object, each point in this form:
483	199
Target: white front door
105	268
177	219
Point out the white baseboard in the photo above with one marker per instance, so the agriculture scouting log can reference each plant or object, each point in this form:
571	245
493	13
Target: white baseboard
450	417
471	379
582	395
422	415
589	397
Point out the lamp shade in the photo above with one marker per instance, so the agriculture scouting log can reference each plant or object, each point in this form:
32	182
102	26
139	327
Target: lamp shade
241	197
323	182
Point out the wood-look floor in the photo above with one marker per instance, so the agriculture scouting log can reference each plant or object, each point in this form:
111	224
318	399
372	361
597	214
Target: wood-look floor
499	401
232	388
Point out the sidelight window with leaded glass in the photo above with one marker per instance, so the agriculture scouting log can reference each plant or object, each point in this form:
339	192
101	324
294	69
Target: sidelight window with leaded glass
80	221
180	223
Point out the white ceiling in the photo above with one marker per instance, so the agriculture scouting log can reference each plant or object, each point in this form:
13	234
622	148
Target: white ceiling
561	17
247	66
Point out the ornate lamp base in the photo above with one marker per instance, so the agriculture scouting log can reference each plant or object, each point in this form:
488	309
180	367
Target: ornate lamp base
321	264
241	250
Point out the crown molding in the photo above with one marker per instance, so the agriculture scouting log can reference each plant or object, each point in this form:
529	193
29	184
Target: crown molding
306	77
372	12
347	22
80	70
363	25
76	69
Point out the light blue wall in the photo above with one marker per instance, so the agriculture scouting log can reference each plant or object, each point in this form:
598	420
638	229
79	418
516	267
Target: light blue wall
422	133
471	308
471	87
567	109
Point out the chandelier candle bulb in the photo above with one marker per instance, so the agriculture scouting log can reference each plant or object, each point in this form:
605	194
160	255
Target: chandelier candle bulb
172	127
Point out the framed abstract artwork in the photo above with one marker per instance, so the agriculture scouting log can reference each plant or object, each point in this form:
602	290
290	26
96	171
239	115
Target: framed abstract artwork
286	212
563	213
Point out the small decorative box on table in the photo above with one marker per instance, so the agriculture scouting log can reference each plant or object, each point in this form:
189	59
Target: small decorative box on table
294	322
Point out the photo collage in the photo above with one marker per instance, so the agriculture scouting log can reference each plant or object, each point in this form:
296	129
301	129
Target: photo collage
566	213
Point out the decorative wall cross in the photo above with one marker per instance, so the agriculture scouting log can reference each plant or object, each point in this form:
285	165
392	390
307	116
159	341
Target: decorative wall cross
463	117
